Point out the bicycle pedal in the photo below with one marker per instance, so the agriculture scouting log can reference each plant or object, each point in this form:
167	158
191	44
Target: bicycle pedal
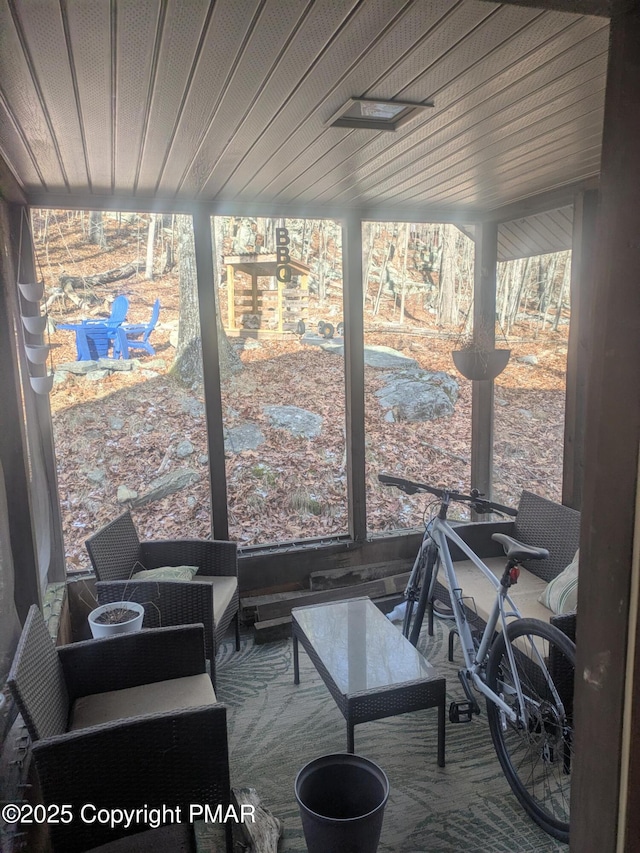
461	712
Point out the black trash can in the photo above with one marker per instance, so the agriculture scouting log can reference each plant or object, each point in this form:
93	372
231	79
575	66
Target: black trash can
342	799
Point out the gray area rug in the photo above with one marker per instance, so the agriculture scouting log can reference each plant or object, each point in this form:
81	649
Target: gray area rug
275	727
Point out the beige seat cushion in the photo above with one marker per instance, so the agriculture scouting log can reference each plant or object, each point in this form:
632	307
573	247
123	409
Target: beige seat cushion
223	591
191	691
524	594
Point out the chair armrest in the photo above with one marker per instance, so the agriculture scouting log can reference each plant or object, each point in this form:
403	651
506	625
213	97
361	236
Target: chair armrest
166	603
567	624
170	759
213	557
129	660
477	535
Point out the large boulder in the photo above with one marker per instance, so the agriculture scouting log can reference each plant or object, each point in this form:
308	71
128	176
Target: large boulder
418	395
383	357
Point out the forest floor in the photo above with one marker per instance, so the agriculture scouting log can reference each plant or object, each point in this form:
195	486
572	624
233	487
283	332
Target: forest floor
129	428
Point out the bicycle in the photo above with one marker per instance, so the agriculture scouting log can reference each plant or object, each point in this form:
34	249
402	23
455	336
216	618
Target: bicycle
524	667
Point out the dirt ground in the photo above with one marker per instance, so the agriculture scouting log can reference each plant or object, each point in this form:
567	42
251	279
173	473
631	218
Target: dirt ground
130	428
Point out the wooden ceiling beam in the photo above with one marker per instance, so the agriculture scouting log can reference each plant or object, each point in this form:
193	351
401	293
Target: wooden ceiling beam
541	203
600	8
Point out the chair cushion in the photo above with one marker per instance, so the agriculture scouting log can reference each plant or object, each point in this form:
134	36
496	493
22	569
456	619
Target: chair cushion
224	589
191	691
561	594
524	594
166	573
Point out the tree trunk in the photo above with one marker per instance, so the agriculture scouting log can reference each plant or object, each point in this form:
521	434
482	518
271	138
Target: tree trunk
96	229
447	302
148	270
403	278
187	367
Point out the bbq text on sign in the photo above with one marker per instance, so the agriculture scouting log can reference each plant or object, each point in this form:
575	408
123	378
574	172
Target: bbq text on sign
283	270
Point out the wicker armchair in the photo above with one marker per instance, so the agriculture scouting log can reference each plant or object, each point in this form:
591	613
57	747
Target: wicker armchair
122	722
211	598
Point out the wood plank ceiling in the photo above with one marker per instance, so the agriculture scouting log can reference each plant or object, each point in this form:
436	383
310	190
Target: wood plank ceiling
163	101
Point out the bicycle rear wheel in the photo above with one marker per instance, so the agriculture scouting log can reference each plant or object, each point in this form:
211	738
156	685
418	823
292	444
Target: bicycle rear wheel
536	752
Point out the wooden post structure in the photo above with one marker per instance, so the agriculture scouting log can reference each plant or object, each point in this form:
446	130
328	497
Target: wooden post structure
605	789
582	258
354	374
484	323
231	308
211	372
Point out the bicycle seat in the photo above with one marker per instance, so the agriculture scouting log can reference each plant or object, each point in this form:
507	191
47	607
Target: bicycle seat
518	550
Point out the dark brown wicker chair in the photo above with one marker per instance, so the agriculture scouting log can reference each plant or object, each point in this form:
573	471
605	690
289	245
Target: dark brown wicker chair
211	598
170	750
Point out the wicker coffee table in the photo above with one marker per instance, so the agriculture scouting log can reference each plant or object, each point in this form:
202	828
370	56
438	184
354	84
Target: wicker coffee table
371	670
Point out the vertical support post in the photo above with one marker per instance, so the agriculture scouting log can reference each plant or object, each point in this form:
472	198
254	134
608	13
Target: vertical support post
605	788
254	294
13	439
280	305
484	324
209	321
582	257
354	374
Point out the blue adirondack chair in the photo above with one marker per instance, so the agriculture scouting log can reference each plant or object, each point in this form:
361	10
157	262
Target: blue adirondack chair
94	338
136	335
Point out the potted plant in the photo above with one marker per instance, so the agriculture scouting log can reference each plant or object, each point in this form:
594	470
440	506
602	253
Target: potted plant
117	617
476	356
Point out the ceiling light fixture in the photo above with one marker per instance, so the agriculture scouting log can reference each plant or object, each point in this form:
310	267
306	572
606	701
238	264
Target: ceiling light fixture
376	115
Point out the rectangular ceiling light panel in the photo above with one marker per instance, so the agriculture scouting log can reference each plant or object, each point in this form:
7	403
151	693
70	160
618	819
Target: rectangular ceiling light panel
376	115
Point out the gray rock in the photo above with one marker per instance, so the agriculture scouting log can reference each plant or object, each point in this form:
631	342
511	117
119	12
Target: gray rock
203	458
78	367
191	501
528	359
243	437
156	364
193	407
417	395
97	375
115	422
384	357
60	376
98	475
125	494
184	449
149	374
117	364
169	483
297	421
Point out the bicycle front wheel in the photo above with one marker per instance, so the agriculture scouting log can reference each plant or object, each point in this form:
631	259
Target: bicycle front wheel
536	751
411	628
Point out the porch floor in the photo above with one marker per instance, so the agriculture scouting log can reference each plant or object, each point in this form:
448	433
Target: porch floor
275	727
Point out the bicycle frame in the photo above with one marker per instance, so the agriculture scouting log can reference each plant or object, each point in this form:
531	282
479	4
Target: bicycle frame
439	530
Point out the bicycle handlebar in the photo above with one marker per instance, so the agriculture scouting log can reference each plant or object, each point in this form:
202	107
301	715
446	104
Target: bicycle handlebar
478	504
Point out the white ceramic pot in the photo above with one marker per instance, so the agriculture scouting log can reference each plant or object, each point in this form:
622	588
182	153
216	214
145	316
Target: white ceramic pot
107	629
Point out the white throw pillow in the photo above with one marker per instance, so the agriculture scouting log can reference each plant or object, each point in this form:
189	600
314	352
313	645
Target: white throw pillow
166	573
561	594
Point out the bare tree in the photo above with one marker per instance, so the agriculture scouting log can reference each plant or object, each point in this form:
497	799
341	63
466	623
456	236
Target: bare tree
96	233
148	270
187	367
447	301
